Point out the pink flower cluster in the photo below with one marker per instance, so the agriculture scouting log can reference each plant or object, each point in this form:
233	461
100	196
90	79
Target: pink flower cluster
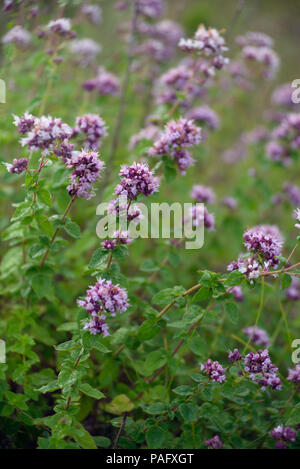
86	168
94	129
214	370
257	47
135	180
262	370
101	299
105	83
177	136
42	133
282	435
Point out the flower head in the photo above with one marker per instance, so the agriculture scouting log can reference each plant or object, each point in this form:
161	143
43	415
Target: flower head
215	371
93	127
87	169
135	180
215	442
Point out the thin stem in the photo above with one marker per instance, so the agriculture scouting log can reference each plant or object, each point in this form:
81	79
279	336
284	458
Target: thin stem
237	13
291	254
57	229
261	303
119	121
120	430
284	316
74	367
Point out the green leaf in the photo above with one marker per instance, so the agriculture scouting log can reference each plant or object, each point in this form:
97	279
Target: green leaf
232	312
68	326
69	345
41	285
183	390
157	409
165	296
45	196
285	281
50	387
90	391
119	405
155	360
294	418
155	437
82	437
96	258
202	294
189	412
148	329
102	441
72	229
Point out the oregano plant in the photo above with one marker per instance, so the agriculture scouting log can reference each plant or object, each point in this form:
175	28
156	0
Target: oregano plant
135	337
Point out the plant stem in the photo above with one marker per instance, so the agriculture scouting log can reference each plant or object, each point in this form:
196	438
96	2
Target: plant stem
261	303
57	229
120	430
119	120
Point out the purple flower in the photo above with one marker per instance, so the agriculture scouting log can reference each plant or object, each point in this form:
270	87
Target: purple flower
108	244
24	123
283	434
258	336
202	216
151	8
248	266
202	194
215	442
183	160
168	31
94	127
97	325
207	41
262	370
122	237
265	56
105	83
132	213
86	169
293	193
294	375
64	150
257	135
255	38
234	356
135	180
237	292
44	133
61	26
206	116
92	12
277	152
177	78
18	166
282	96
230	202
215	371
17	35
293	291
268	247
177	135
86	50
236	153
104	297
